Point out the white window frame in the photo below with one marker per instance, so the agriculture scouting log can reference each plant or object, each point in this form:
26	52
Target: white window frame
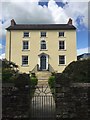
41	45
24	34
61	35
43	32
23	58
64	60
26	45
64	44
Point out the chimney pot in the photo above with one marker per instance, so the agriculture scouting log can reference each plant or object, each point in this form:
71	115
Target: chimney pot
13	22
70	21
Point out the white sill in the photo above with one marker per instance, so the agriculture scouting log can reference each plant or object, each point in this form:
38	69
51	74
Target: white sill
26	37
61	36
43	50
24	65
62	49
25	50
62	65
43	37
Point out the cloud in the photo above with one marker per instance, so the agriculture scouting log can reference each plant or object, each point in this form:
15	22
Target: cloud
28	11
82	50
2	56
2	48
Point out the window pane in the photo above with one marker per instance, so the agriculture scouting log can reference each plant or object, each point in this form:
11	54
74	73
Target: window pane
61	45
25	45
61	59
43	44
61	34
24	60
26	34
43	34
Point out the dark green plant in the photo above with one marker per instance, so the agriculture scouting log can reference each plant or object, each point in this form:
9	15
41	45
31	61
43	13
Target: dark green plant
9	70
78	71
33	75
51	81
34	80
22	80
6	76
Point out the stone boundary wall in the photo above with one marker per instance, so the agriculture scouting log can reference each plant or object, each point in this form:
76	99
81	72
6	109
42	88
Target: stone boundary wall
73	101
15	103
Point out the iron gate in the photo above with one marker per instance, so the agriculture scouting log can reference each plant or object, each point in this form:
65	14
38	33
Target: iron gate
42	104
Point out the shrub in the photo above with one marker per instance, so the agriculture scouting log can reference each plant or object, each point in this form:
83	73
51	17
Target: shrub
6	76
78	71
34	80
51	81
22	80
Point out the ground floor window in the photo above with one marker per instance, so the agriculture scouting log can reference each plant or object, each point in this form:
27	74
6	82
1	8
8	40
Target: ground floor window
25	60
61	59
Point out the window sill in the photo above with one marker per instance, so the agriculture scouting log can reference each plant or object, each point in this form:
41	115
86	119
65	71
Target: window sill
43	37
43	50
25	65
25	50
62	50
62	65
61	37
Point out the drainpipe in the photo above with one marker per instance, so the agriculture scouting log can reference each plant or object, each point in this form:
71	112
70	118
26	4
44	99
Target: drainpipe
10	47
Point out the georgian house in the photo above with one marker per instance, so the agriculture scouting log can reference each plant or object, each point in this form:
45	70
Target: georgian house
41	47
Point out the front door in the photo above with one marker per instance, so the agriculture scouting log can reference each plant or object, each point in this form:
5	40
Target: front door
43	62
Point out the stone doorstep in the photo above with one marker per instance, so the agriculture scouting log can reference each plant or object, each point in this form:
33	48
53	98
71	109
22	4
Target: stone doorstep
42	77
40	81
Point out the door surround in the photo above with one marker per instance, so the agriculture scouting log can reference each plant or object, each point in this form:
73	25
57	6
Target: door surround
41	57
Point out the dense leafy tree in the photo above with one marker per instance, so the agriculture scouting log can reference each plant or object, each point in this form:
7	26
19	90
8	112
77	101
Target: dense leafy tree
9	70
78	71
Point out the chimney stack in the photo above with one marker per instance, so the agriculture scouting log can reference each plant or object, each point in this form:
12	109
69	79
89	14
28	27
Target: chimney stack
13	22
70	21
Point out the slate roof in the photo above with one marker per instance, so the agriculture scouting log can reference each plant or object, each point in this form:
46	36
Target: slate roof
41	27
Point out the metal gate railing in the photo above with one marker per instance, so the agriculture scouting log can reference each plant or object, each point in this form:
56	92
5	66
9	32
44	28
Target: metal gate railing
42	104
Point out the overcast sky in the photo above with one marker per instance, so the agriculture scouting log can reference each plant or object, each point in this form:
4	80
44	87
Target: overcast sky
46	11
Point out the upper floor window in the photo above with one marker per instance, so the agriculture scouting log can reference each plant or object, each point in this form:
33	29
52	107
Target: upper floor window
25	60
43	44
61	34
61	45
25	45
26	34
62	59
43	34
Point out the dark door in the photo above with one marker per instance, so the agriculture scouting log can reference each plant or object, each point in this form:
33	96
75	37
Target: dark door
43	62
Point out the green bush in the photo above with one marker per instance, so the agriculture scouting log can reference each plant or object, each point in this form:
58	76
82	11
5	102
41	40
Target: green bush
6	76
9	70
34	80
78	71
51	81
22	80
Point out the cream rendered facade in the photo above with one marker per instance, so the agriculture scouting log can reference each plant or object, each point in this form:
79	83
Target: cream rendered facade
14	49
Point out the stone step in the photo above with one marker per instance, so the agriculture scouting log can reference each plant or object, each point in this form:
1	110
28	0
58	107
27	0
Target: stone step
42	81
43	75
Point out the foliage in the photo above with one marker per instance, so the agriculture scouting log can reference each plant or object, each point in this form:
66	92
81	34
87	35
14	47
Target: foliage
51	81
7	76
8	65
22	80
78	71
9	70
34	80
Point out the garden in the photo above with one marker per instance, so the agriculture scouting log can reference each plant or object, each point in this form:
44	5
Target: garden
17	92
72	88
